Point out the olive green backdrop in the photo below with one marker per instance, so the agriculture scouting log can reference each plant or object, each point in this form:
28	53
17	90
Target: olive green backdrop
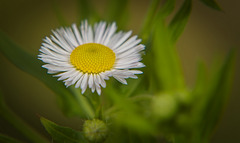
208	36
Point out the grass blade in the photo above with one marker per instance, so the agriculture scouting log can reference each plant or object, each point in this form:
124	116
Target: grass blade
166	63
179	21
218	93
211	4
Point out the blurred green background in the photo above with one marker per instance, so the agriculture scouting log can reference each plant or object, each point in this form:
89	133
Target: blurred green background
208	36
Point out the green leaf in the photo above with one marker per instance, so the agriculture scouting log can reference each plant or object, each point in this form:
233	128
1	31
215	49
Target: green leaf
117	11
179	21
211	4
71	101
62	134
7	139
166	9
148	21
210	97
153	14
217	94
166	62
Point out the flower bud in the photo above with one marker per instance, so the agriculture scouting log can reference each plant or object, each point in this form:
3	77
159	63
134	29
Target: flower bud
95	130
184	97
164	106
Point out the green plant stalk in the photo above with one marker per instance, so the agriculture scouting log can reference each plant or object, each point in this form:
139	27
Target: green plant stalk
31	134
83	103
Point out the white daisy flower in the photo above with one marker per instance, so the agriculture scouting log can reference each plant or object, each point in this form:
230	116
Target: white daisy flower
86	56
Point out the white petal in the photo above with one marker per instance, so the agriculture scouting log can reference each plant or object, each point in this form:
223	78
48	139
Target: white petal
83	28
77	34
100	31
128	44
106	31
98	88
84	82
103	76
65	75
55	48
72	77
77	77
79	82
122	39
101	81
69	36
132	51
135	71
90	34
90	81
60	40
122	80
93	87
114	39
56	68
129	66
112	30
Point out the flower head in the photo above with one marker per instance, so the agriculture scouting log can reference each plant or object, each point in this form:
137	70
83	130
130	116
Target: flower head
86	56
95	130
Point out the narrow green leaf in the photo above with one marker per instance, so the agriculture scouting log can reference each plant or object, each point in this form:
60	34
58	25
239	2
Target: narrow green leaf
179	21
117	10
153	14
7	139
166	62
166	9
217	93
211	4
148	21
71	101
211	96
199	98
62	134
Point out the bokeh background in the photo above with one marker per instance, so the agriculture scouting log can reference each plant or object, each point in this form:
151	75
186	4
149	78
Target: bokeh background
208	36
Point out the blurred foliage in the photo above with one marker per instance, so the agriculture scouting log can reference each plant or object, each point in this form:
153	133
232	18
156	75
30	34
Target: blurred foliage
211	4
7	139
158	107
62	134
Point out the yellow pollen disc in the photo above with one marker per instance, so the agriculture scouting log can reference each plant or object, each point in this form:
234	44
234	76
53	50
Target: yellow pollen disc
92	58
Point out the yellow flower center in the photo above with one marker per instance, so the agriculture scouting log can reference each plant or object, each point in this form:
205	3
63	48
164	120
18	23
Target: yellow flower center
92	58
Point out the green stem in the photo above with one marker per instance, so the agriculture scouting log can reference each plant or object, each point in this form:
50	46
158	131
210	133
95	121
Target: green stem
83	103
31	134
